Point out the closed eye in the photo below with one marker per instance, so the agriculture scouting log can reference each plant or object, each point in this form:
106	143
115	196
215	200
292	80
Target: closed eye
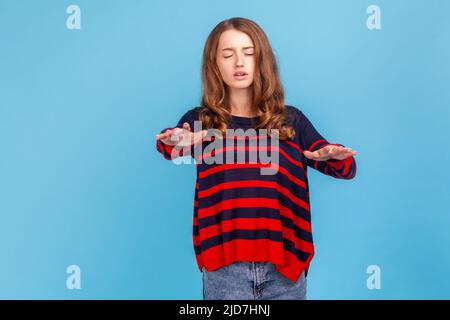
247	54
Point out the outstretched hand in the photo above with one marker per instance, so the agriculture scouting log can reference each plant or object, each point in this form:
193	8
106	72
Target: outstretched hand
330	152
181	136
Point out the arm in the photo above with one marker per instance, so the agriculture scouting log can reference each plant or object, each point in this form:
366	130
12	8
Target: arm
171	152
313	141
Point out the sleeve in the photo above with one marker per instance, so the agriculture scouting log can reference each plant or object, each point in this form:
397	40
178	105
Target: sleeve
312	140
172	152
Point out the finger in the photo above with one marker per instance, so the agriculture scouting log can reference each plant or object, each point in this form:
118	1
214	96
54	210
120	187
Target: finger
327	152
196	136
181	135
337	151
178	135
187	126
307	154
171	134
333	148
312	155
352	151
164	135
323	153
177	131
200	135
348	151
344	155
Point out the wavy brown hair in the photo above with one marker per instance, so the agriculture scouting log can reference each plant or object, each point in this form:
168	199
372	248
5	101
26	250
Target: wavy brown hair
268	92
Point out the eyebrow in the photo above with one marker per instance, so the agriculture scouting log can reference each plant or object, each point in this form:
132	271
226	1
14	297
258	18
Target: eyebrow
233	48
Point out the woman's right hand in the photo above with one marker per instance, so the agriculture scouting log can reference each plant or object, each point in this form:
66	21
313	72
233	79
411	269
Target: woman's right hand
181	136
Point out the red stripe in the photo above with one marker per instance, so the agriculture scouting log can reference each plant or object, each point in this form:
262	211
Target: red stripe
231	166
242	203
159	146
238	203
243	250
337	164
168	149
300	244
348	161
253	250
195	240
240	223
292	267
315	143
255	224
300	222
253	184
251	148
289	214
294	145
246	137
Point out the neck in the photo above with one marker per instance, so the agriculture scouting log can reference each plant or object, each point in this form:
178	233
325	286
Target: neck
241	103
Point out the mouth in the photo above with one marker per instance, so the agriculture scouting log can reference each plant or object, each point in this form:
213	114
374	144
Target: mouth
240	75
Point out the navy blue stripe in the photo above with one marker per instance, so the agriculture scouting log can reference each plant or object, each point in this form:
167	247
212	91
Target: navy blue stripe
299	232
231	175
241	234
255	192
290	246
253	213
238	213
239	174
293	169
291	151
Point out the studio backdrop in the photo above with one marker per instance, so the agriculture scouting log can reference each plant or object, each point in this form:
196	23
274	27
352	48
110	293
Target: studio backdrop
89	209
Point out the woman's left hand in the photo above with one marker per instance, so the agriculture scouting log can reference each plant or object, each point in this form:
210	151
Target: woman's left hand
330	152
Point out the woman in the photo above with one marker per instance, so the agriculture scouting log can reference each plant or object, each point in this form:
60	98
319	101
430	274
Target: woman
252	231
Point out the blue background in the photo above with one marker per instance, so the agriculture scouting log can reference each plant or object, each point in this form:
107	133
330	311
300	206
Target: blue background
81	181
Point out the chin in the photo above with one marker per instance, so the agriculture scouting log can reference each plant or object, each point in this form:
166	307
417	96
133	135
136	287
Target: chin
241	85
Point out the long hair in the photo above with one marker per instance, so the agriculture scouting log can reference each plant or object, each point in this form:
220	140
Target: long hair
268	92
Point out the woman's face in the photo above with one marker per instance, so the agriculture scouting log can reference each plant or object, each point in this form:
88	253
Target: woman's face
235	54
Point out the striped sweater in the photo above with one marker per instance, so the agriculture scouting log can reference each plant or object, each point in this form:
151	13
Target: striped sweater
243	215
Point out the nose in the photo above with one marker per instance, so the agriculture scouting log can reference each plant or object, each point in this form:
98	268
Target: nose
239	61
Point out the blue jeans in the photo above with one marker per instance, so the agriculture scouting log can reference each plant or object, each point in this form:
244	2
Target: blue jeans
251	281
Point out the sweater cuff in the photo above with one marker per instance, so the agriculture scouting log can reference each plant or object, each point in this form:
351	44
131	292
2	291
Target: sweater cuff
167	149
339	164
